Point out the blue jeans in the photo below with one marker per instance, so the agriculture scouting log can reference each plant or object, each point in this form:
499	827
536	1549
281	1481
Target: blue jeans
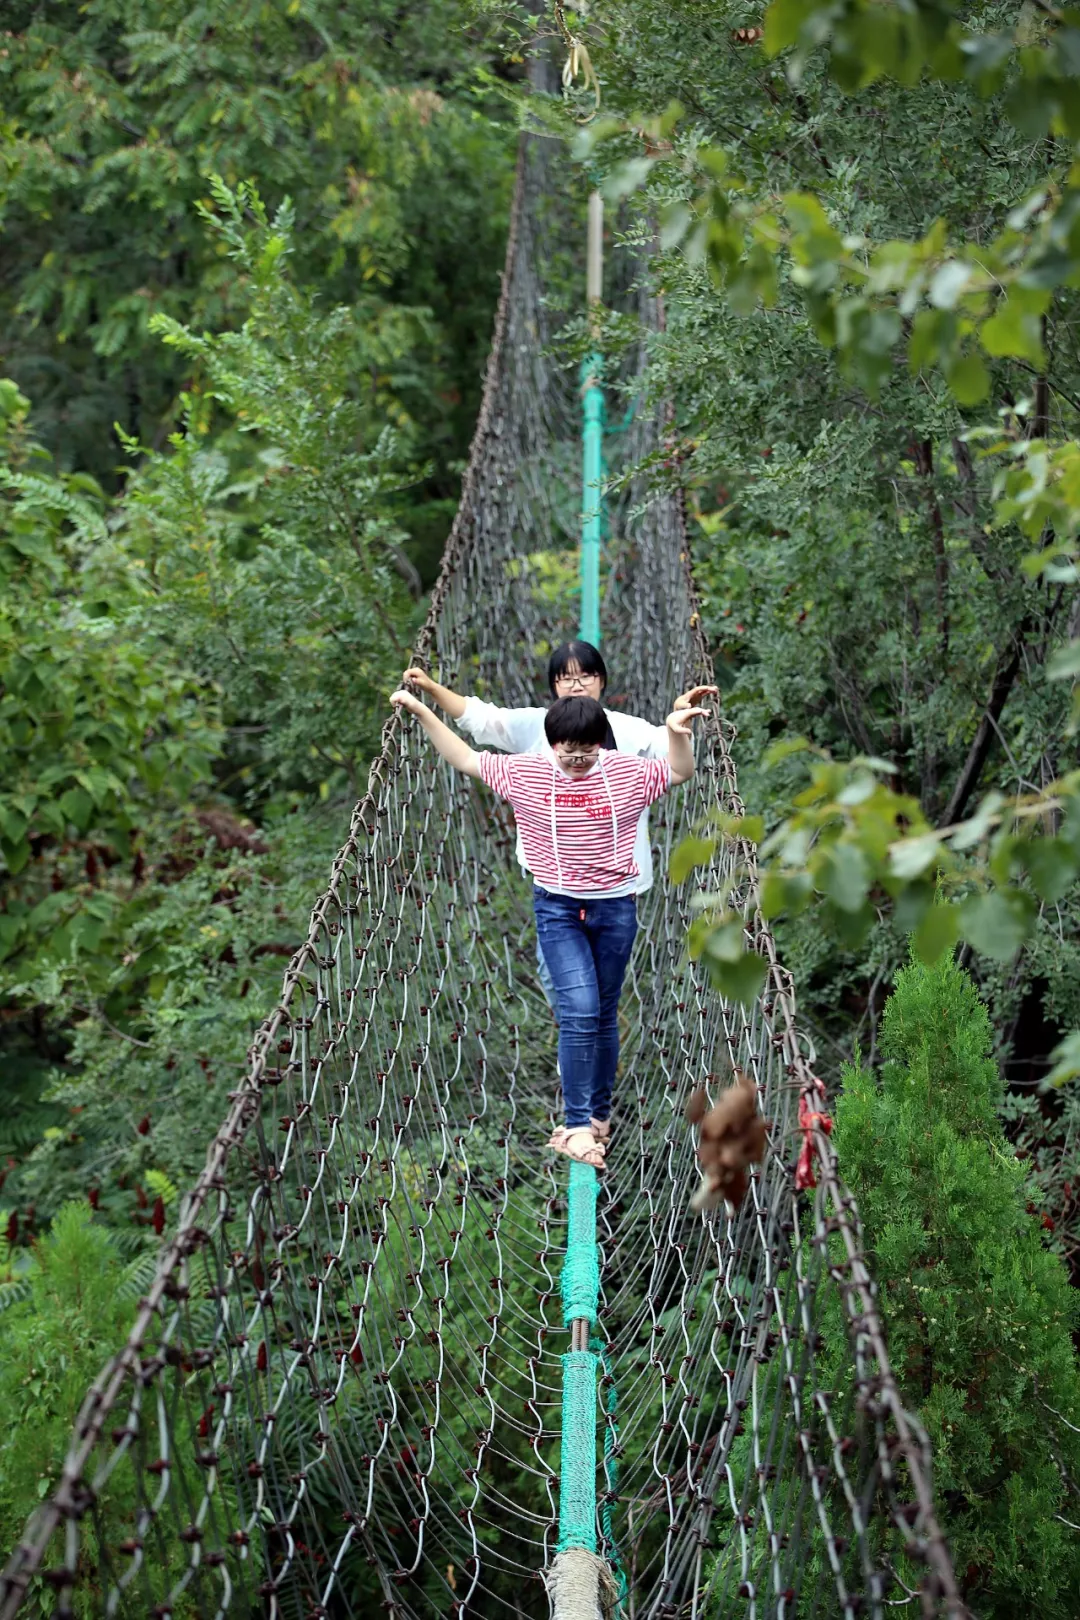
586	945
544	975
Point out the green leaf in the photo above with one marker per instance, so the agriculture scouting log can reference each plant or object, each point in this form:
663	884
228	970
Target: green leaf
815	237
949	282
976	828
723	941
937	932
1030	108
783	22
911	902
1066	1060
1065	664
675	221
784	893
851	927
78	807
911	857
686	856
932	334
13	823
1013	331
15	855
844	876
740	980
969	379
10	929
998	923
784	747
1051	865
626	177
752	828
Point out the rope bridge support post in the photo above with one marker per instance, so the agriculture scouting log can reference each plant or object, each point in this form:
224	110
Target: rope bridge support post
593	438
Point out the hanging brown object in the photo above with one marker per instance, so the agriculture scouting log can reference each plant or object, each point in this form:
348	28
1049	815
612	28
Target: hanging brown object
747	36
732	1138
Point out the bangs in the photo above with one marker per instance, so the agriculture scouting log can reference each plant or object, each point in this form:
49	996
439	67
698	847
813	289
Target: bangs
588	659
576	720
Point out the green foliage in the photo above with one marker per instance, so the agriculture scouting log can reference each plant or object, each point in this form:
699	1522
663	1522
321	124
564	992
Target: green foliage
878	448
54	1342
195	643
980	1315
271	555
115	114
91	722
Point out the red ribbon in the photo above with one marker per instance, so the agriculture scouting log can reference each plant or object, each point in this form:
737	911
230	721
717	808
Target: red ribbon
810	1119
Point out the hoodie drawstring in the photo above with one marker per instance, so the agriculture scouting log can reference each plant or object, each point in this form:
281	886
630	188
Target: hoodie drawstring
614	818
554	834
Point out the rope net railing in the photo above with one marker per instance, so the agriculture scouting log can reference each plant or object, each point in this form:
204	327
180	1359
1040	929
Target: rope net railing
342	1395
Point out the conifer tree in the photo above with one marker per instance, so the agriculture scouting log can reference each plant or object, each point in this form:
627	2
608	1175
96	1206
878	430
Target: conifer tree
979	1312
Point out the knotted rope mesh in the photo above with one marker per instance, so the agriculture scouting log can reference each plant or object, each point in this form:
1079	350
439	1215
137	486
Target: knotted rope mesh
343	1392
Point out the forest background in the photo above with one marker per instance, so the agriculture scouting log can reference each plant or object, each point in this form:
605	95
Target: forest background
250	261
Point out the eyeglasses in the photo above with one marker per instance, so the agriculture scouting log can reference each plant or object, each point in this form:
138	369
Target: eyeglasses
579	759
574	682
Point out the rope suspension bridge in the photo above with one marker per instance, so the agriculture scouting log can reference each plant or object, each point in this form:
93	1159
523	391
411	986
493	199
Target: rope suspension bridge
398	1360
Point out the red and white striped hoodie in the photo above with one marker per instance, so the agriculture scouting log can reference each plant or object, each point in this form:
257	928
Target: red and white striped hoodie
578	832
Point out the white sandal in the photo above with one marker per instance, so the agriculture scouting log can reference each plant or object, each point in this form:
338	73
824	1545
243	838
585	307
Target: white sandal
601	1129
563	1141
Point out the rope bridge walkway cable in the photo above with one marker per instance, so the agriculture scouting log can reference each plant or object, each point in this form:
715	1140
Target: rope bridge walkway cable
343	1394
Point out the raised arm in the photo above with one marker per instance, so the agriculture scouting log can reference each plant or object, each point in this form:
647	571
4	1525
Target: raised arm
454	749
451	703
681	743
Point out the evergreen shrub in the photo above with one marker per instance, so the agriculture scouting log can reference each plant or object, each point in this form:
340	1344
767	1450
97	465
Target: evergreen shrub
979	1313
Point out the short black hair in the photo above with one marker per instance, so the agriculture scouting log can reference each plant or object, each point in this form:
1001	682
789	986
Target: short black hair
588	659
577	720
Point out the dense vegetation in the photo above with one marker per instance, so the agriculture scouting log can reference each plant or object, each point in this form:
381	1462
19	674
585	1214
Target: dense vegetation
877	443
250	260
244	346
980	1315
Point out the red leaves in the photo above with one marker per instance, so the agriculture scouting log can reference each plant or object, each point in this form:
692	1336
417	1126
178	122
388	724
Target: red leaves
143	1127
261	1360
157	1219
12	1231
93	1197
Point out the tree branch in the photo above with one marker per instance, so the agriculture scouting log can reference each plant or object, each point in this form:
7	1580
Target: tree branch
924	464
971	769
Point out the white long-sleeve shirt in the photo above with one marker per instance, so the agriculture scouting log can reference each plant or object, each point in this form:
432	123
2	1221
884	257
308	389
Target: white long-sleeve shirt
521	731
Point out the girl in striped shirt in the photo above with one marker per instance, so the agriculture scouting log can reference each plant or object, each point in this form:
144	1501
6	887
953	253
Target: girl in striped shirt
577	806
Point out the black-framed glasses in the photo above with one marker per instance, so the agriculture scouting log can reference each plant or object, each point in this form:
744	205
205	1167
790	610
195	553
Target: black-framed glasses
579	682
579	759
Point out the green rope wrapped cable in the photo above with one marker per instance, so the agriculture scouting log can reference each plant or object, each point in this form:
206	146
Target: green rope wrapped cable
580	1280
577	1477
